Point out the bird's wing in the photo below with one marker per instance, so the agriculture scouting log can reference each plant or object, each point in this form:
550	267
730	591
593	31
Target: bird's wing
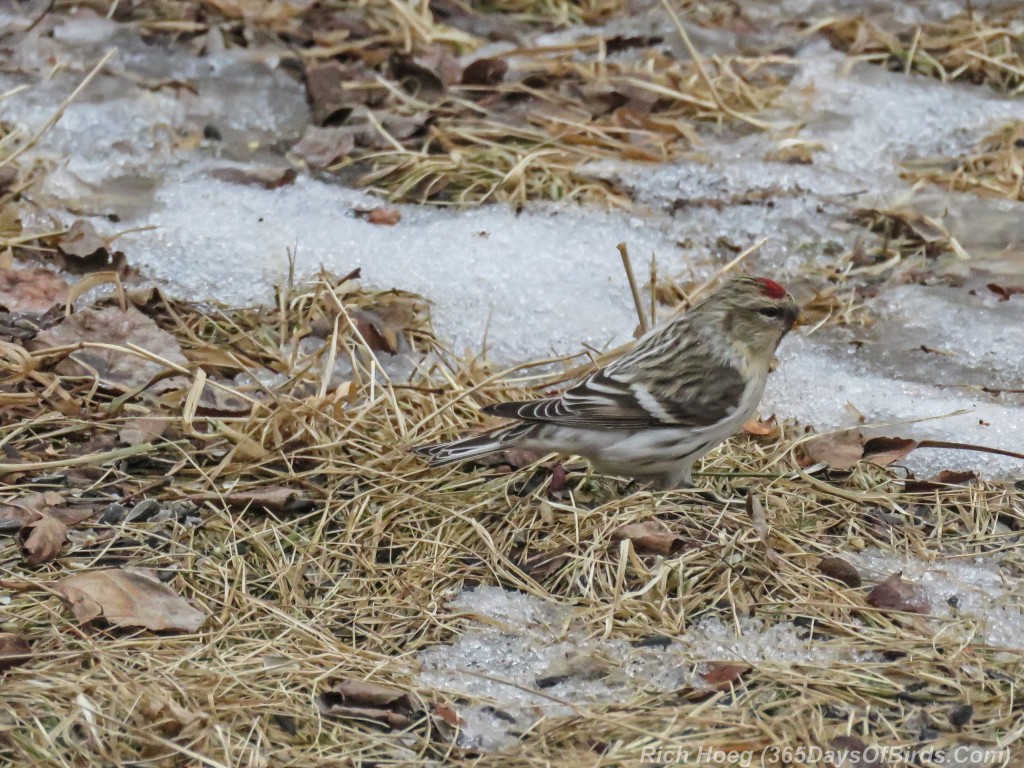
693	390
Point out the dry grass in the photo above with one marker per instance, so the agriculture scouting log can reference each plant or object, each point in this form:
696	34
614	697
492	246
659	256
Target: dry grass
527	135
995	168
351	577
969	48
354	581
558	12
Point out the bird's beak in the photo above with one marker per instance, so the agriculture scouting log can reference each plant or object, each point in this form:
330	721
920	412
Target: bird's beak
795	320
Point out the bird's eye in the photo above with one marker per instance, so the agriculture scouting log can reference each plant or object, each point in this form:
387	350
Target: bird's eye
769	312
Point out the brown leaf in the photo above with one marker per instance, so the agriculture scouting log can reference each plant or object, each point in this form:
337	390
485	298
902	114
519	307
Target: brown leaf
896	594
267	178
42	540
447	713
488	71
840	570
942	480
760	427
321	147
31	290
379	335
650	537
381	216
540	565
14	650
25	509
332	101
142	430
169	717
883	451
1004	292
722	674
421	82
275	499
128	597
559	478
115	368
357	699
82	241
840	450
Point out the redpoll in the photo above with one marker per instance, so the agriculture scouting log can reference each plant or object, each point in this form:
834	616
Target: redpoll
685	387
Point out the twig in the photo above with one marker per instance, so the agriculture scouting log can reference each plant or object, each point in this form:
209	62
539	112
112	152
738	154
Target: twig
967	447
77	461
633	287
654	289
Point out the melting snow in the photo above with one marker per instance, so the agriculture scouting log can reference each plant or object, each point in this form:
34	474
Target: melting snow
527	660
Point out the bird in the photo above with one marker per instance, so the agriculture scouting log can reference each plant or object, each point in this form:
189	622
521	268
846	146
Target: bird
684	388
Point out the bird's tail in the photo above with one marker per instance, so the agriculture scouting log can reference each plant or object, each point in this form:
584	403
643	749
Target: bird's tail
439	454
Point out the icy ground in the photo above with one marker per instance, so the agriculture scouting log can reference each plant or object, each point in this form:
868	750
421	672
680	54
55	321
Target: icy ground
548	279
532	659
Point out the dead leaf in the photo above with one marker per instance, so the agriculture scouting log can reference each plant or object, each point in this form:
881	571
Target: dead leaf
840	570
379	335
559	478
169	717
540	565
267	178
20	511
321	147
721	675
898	595
943	479
488	71
82	241
883	451
42	540
447	713
760	427
1005	292
650	537
142	430
14	650
274	499
839	450
115	368
31	290
25	509
360	700
128	597
421	82
334	91
381	216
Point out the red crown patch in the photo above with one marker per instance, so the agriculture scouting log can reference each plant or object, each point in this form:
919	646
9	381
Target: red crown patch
771	289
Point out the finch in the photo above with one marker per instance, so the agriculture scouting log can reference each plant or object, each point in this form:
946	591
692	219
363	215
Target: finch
686	386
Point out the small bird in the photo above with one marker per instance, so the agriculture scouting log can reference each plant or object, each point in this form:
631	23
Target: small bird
686	386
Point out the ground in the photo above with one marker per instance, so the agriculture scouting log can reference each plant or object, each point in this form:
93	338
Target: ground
254	251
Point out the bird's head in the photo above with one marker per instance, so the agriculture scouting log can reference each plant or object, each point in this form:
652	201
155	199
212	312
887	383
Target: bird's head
754	313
